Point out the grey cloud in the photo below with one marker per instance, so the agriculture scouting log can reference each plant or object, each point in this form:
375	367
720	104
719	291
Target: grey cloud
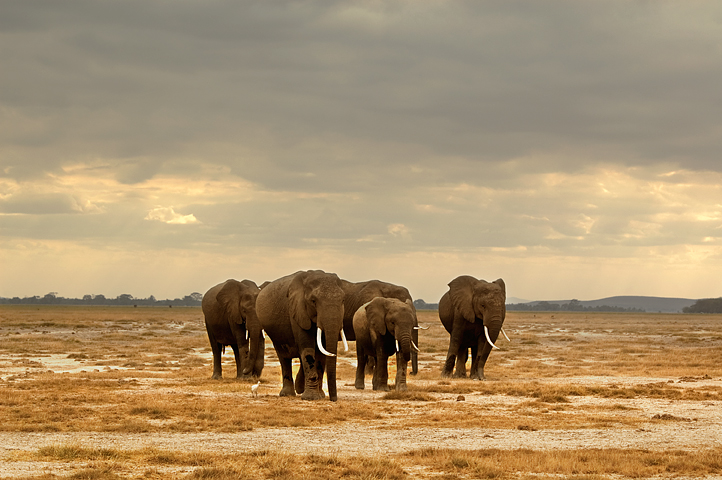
482	81
45	203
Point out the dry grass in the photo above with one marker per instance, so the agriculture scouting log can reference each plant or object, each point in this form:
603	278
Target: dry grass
567	463
432	463
154	463
135	370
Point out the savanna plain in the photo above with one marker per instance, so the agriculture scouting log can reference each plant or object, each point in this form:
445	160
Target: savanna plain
123	392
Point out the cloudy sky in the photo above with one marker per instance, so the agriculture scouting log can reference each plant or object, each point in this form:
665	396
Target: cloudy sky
162	146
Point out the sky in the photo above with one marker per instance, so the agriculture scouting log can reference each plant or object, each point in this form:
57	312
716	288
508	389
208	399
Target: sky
159	147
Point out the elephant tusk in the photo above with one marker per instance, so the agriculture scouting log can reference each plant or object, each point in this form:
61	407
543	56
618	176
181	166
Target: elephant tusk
263	332
419	327
320	347
397	346
413	345
504	333
345	343
245	334
486	332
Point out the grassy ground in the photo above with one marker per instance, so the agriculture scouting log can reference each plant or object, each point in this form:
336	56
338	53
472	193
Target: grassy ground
146	370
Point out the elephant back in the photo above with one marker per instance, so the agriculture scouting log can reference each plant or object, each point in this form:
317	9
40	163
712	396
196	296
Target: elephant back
209	302
361	326
272	302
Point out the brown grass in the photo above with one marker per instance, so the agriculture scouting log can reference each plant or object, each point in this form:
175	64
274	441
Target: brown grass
597	462
433	463
148	369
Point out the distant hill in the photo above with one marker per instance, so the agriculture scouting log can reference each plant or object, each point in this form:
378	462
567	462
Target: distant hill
647	304
516	300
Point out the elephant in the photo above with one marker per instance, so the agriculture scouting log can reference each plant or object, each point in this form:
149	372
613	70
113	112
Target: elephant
383	327
360	293
300	311
229	309
473	312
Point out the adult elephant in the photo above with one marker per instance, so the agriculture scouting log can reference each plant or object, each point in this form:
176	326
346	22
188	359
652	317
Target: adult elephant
383	327
229	309
473	313
360	293
303	315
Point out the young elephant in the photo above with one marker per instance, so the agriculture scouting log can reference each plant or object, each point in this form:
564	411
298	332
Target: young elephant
359	293
383	327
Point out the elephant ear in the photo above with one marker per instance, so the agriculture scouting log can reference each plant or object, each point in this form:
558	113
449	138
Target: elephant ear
229	298
501	283
461	292
376	315
297	301
249	284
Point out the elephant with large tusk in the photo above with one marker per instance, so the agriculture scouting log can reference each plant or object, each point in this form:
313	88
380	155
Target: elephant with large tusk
473	312
303	315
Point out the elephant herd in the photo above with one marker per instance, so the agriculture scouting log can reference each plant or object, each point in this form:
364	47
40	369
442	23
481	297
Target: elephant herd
307	313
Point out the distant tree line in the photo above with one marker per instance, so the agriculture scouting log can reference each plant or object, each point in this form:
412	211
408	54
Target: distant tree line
52	298
572	306
422	305
705	305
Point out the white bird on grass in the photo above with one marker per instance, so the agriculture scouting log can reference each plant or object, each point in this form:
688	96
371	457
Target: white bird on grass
254	389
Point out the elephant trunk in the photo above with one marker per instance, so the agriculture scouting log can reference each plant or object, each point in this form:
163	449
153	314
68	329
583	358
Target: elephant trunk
331	370
330	321
255	344
492	329
404	345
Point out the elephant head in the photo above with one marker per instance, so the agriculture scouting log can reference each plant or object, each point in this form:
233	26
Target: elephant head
315	301
389	315
474	299
238	303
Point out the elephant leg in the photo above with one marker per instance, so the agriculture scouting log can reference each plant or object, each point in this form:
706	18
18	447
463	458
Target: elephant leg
381	372
483	357
310	371
370	364
448	369
217	349
287	375
461	359
300	380
360	366
457	333
321	369
401	373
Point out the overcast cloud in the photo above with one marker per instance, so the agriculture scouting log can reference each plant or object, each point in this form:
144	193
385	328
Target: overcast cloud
160	147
